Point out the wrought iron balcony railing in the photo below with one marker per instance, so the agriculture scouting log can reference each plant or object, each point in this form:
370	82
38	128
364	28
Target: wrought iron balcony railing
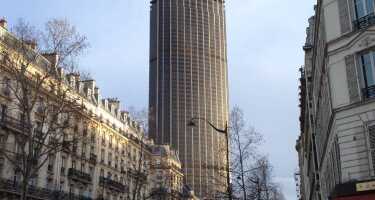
364	22
113	185
7	121
13	187
79	176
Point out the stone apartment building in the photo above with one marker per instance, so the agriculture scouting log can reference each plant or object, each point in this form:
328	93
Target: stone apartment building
166	166
100	166
336	147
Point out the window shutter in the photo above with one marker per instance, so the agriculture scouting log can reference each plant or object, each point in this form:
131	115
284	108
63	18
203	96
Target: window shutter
344	15
352	10
352	78
371	131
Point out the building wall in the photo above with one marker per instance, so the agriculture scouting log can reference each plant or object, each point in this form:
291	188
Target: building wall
342	114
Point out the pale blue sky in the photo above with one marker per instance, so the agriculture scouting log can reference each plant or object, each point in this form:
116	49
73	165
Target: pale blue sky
265	39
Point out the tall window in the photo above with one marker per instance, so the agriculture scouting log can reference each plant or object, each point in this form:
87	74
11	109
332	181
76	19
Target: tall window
102	155
73	164
51	161
364	8
101	172
368	67
63	164
3	113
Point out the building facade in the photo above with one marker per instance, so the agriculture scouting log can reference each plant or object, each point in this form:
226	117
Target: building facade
189	78
105	163
336	147
168	175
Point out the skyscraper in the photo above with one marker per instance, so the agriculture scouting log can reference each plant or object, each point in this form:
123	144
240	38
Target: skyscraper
188	78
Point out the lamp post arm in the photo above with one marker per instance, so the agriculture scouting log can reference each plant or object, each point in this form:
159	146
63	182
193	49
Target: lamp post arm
225	130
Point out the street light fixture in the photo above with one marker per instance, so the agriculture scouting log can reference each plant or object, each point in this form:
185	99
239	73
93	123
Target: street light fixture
192	123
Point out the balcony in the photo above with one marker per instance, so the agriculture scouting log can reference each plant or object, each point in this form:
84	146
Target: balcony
112	185
13	187
66	147
79	176
9	122
369	92
364	22
68	196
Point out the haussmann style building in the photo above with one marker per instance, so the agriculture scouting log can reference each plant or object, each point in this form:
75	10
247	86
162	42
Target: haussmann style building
109	159
336	147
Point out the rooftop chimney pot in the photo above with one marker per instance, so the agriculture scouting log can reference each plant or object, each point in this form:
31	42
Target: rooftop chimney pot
4	23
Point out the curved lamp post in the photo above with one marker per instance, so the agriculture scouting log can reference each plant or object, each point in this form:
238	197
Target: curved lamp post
192	123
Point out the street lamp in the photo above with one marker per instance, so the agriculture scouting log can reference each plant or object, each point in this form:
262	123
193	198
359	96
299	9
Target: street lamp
225	132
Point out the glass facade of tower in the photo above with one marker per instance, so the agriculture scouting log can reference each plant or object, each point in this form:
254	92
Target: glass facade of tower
188	78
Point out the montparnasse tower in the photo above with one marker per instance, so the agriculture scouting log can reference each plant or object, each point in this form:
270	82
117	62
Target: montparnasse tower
189	78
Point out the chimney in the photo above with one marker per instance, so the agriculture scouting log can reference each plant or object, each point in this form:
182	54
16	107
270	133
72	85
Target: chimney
72	80
97	94
60	72
53	58
105	103
114	103
32	44
89	87
4	23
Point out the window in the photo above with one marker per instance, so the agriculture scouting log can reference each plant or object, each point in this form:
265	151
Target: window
73	164
368	68
93	137
4	109
110	159
63	165
102	155
91	170
83	167
83	150
364	8
103	139
51	161
110	141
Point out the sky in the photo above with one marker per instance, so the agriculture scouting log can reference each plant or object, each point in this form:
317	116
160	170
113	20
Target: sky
265	39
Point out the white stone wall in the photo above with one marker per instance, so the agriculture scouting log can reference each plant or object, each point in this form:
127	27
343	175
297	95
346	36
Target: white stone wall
337	80
351	116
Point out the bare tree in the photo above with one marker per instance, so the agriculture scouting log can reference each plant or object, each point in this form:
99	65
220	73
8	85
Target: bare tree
244	143
140	116
260	184
139	168
251	172
138	172
45	106
63	38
